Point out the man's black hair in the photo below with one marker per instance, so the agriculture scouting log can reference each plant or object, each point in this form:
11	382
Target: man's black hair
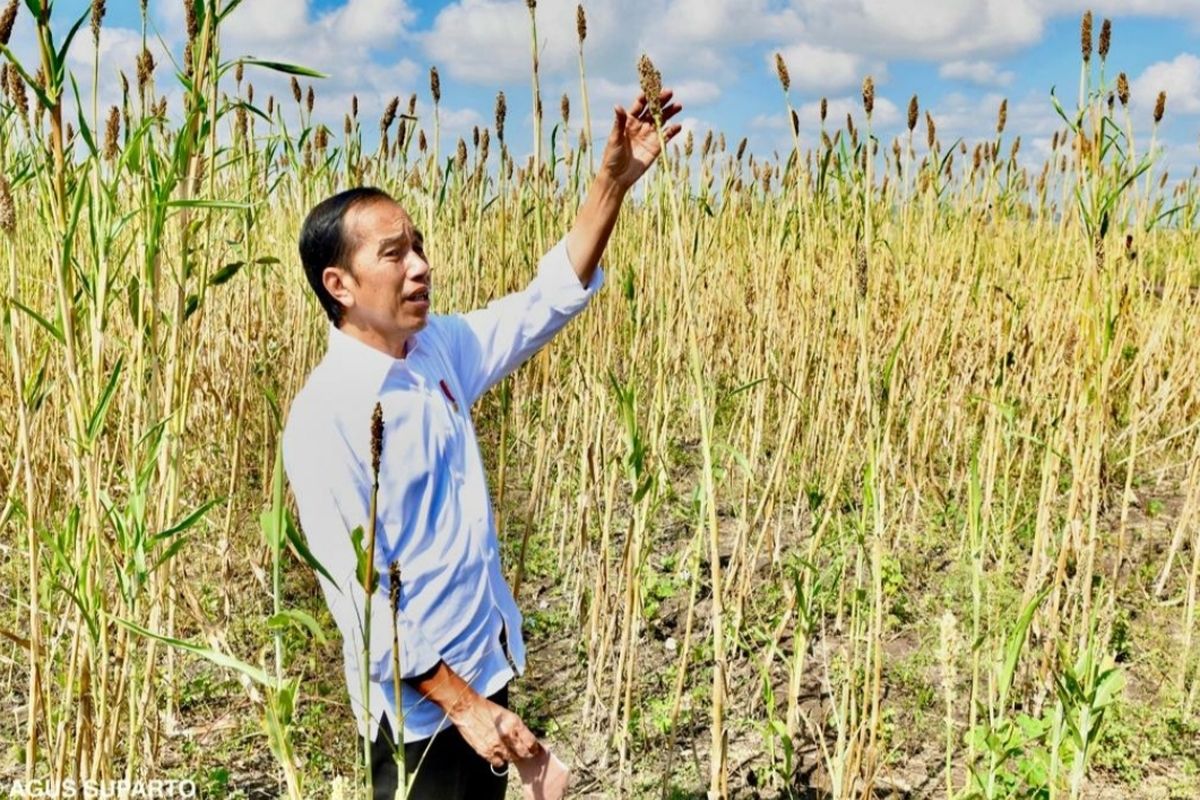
325	243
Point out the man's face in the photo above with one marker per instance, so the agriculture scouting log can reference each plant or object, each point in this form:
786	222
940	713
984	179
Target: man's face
386	290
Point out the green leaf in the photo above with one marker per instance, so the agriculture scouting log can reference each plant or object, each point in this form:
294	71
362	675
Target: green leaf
188	521
215	656
1016	641
294	617
39	319
101	410
302	550
225	273
285	68
195	202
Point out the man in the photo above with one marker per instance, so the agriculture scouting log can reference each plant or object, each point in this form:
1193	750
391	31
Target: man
457	626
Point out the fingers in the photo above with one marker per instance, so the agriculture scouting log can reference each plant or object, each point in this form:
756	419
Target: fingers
619	117
519	739
640	107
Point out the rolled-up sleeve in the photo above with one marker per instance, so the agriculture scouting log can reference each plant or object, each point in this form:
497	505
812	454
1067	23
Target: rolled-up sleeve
333	498
491	342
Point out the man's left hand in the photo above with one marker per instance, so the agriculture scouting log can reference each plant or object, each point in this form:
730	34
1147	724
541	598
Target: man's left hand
633	144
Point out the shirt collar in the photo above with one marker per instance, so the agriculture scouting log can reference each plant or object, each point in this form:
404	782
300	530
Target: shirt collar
358	362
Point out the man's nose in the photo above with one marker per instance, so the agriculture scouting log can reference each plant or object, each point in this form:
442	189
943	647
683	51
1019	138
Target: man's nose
417	267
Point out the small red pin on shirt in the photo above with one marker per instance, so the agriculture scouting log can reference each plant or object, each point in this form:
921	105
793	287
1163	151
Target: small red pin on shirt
449	395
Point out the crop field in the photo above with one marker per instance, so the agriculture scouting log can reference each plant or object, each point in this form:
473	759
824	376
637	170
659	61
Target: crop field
873	471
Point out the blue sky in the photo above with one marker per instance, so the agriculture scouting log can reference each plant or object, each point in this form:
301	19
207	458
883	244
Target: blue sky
961	57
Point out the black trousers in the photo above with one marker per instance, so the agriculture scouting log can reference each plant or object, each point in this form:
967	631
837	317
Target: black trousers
445	766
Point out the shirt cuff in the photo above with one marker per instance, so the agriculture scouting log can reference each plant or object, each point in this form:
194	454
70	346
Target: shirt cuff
559	283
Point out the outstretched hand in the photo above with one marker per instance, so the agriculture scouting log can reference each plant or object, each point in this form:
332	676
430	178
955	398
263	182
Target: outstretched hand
633	144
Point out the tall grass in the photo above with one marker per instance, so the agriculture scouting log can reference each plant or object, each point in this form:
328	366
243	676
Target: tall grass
847	396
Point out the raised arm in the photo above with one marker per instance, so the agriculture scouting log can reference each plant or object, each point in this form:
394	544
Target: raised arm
632	147
491	342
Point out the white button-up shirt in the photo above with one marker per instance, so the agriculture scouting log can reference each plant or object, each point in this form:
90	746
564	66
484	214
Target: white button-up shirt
434	514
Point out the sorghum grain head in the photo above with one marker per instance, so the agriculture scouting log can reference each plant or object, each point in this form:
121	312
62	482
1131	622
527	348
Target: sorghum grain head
7	19
193	24
435	85
565	107
1160	107
112	133
376	438
310	98
97	18
1002	116
930	130
914	110
580	23
297	95
785	80
651	82
1123	89
8	211
868	95
1085	36
824	109
1105	38
501	113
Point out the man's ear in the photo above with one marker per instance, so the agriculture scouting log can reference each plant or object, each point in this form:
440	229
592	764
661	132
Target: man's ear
337	282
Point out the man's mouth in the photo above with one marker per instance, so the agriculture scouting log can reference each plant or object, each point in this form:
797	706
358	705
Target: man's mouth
419	297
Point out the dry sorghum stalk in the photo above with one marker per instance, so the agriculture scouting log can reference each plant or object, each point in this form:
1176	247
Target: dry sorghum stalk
1123	89
435	85
1105	38
651	81
914	110
868	95
580	23
785	80
1160	107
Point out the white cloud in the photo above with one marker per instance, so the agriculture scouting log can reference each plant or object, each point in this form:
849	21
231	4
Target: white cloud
984	73
1179	78
813	68
927	29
